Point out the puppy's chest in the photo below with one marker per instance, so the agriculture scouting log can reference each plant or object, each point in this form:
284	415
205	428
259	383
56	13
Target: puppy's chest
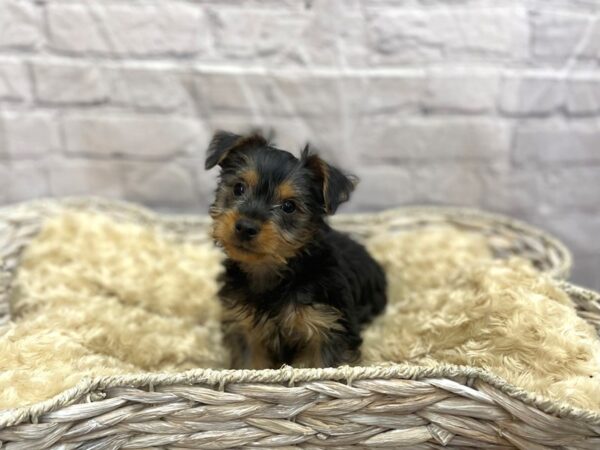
286	324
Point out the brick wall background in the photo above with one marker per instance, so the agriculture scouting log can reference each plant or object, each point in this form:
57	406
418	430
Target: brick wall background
480	103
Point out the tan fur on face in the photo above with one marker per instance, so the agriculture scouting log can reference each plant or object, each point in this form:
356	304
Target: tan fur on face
224	234
250	177
269	247
286	190
270	241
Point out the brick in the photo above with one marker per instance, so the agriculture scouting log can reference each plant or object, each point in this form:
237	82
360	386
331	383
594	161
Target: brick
141	30
155	89
274	94
458	184
297	37
250	34
85	177
20	25
160	185
556	143
27	180
496	31
400	35
462	3
572	188
582	96
300	95
30	135
69	84
4	181
236	124
460	91
283	5
574	5
326	42
225	92
380	94
561	34
531	95
589	46
14	85
432	139
140	137
382	187
510	190
578	231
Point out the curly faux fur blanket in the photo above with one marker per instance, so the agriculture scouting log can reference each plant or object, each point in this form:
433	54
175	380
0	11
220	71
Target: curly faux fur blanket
97	296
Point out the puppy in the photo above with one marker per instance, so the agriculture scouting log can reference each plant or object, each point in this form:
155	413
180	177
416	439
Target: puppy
294	290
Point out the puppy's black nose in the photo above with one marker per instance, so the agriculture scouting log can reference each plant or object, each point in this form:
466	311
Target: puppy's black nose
246	229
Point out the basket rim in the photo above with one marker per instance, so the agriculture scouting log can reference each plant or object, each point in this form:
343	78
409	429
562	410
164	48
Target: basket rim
219	378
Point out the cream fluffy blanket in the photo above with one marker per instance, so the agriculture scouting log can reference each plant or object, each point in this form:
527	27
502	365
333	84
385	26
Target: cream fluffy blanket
97	297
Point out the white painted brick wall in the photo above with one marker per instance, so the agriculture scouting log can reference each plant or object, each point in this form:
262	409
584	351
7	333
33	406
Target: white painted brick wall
471	102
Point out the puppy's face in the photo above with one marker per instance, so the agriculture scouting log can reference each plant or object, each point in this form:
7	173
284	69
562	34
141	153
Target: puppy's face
269	203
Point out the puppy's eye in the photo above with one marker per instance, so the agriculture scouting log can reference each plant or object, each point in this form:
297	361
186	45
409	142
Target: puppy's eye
288	207
239	189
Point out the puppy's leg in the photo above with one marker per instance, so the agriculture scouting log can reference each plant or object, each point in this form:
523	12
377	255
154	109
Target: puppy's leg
245	350
235	341
330	350
259	357
309	355
341	349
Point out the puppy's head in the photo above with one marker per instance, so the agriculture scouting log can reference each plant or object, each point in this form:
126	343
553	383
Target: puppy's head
268	203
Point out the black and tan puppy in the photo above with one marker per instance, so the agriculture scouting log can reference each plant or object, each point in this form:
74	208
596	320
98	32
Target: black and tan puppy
295	291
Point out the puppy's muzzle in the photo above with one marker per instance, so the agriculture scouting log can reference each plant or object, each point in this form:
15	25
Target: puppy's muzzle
246	229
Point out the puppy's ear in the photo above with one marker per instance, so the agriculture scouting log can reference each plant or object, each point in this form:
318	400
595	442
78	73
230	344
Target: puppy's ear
335	185
224	143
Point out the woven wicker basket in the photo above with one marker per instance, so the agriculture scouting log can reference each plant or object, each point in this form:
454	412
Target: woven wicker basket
360	407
